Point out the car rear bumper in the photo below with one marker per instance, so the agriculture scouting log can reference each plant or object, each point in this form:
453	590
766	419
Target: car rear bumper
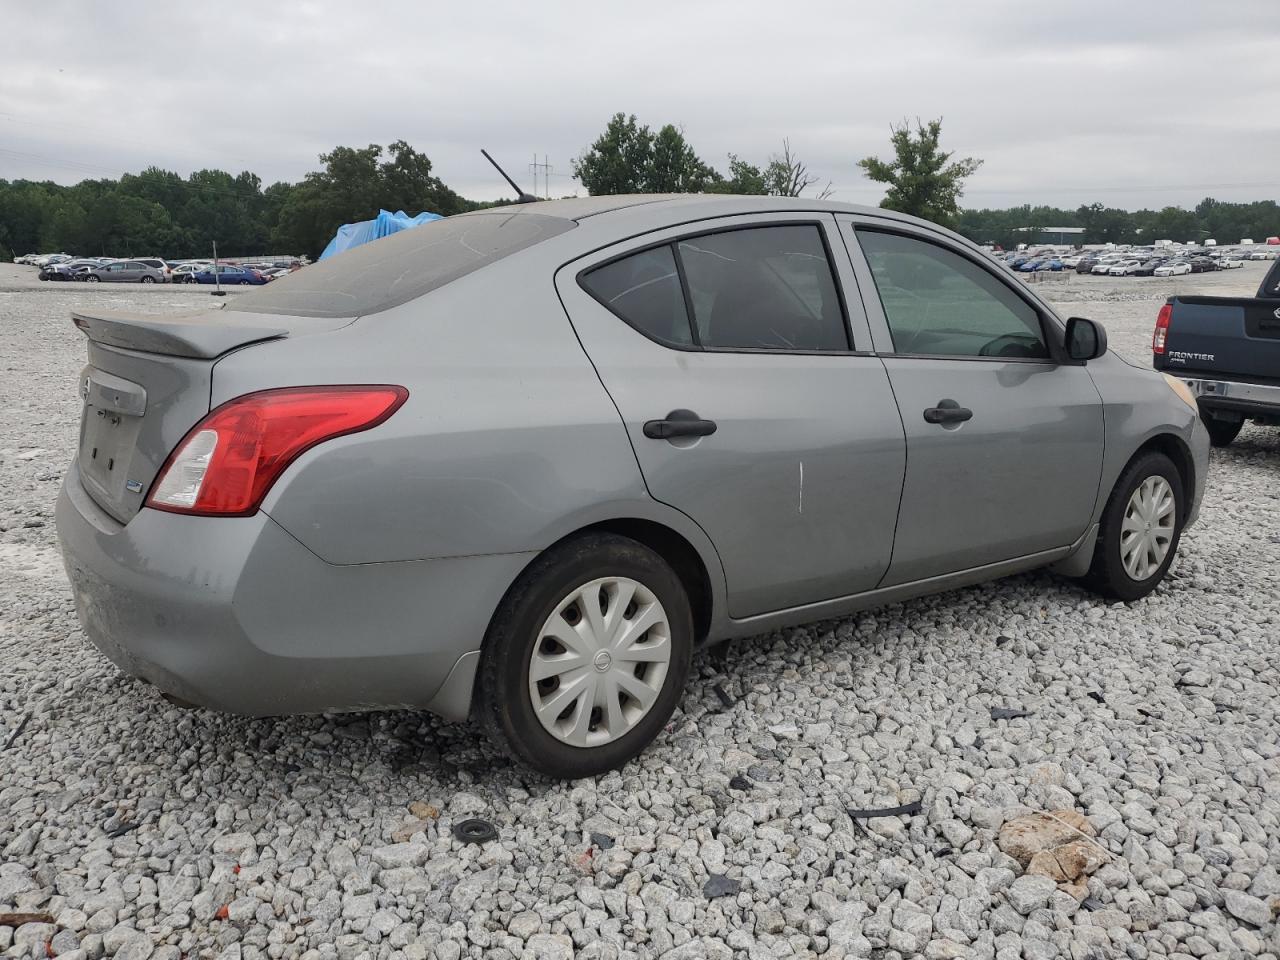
237	615
1236	396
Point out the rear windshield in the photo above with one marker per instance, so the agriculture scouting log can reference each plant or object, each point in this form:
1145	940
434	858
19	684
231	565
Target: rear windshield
399	268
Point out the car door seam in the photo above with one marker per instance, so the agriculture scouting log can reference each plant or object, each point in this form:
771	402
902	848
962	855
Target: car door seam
622	422
906	464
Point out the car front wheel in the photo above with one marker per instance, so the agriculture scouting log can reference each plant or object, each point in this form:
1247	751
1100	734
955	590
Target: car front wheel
1140	529
586	658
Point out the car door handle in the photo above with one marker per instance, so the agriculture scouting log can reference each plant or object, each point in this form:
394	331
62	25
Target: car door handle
947	411
679	423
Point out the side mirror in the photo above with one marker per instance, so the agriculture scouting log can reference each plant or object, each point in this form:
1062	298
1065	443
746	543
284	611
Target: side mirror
1086	339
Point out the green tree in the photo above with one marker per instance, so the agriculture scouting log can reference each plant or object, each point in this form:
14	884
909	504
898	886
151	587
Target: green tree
744	179
1106	224
619	159
354	185
786	176
673	167
923	179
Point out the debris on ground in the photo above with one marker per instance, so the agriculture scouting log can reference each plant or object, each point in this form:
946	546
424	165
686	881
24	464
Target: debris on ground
602	840
1010	713
475	830
16	920
17	731
903	810
1057	844
719	885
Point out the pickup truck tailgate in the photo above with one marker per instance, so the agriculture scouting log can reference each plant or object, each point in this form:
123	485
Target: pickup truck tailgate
1229	337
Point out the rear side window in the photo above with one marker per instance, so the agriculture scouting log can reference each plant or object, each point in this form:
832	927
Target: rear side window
757	288
644	290
402	267
764	288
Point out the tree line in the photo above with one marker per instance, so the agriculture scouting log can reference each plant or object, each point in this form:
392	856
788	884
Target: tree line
1216	219
160	212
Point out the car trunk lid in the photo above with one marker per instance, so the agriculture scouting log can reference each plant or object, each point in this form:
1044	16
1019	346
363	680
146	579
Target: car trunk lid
148	382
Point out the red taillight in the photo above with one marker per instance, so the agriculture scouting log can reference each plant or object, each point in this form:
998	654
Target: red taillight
1161	332
228	461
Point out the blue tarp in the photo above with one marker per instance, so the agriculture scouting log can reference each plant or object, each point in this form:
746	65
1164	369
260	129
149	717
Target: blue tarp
383	225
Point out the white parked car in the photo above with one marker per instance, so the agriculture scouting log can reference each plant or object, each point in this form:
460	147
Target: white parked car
1230	263
1173	269
1124	268
185	272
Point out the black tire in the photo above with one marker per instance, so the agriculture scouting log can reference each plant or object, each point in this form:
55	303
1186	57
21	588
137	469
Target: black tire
1221	432
1107	575
92	279
503	705
148	279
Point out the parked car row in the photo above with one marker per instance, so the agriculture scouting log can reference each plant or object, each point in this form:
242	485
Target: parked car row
61	266
1132	262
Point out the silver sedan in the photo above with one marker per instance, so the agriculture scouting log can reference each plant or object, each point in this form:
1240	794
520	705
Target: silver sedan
518	464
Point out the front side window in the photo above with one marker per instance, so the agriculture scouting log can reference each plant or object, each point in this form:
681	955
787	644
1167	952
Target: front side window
764	288
938	303
644	290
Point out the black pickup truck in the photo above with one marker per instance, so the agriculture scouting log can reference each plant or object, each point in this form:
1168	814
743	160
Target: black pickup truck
1227	350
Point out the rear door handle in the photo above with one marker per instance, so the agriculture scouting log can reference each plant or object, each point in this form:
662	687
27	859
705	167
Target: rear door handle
679	423
947	411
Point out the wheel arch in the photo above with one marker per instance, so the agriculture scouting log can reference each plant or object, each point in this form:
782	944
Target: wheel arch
676	550
1177	450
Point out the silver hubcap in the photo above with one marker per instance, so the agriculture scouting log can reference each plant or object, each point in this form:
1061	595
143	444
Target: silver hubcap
600	661
1147	530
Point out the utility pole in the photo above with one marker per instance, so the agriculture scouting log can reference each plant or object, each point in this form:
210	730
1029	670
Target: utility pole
547	170
217	281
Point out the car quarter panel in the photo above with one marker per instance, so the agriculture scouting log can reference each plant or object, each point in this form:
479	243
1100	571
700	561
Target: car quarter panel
506	443
252	622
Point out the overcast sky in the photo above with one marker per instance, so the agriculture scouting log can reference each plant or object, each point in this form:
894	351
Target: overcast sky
1126	102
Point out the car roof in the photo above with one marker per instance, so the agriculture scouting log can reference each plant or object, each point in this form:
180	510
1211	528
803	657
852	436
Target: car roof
682	206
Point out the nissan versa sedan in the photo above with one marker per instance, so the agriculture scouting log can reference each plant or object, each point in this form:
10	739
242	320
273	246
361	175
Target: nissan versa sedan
519	464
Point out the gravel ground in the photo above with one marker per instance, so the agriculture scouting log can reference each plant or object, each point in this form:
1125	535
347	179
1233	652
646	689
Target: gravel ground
142	830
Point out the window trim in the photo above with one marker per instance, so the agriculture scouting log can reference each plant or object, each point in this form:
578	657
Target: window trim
1047	323
697	346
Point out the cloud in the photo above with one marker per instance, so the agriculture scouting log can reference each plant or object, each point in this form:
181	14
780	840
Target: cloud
1135	104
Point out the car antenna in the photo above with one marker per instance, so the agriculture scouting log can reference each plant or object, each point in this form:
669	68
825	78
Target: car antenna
521	196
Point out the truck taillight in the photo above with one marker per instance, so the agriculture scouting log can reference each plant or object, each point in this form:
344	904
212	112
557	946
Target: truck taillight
1161	332
228	461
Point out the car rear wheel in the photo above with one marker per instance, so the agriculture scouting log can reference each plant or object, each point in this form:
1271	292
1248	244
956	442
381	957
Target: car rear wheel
148	279
1140	530
92	279
586	658
1221	432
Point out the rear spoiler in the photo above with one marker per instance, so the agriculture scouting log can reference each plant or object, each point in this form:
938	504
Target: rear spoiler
203	335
